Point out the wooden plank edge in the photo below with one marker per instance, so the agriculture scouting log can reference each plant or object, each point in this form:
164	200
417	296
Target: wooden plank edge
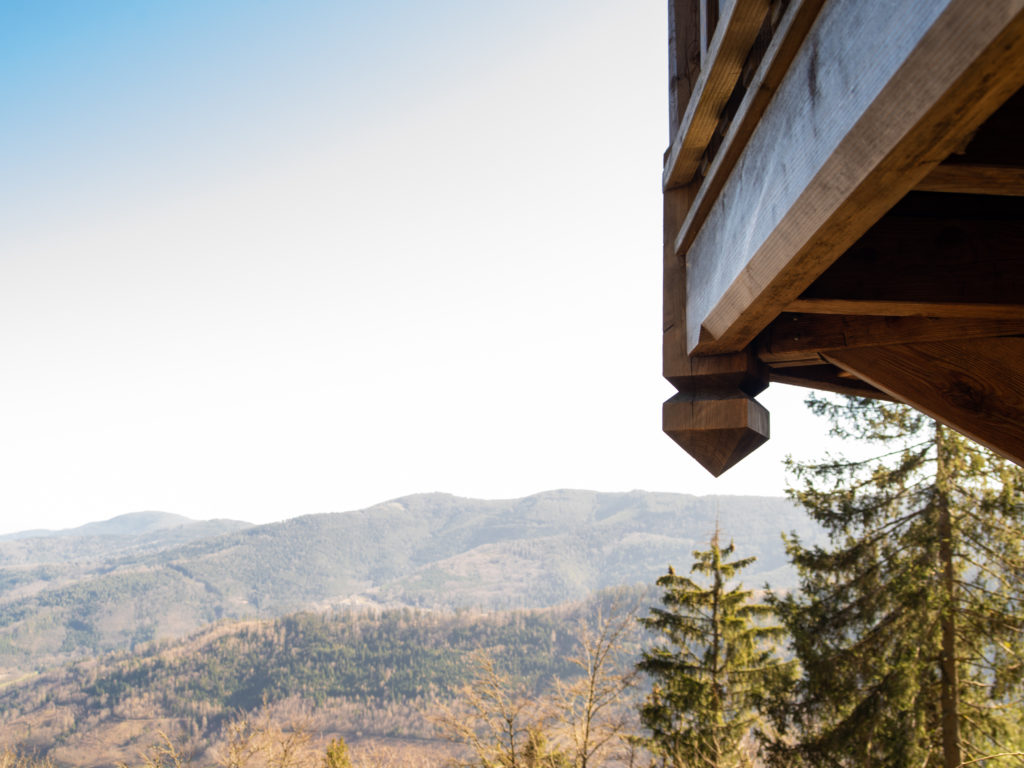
737	30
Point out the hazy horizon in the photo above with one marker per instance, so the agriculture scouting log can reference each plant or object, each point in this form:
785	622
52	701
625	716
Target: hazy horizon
276	259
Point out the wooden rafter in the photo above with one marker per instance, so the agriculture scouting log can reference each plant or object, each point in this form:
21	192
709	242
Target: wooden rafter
799	337
975	179
974	386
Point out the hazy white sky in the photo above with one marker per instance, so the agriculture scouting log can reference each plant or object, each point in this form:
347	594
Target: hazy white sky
263	259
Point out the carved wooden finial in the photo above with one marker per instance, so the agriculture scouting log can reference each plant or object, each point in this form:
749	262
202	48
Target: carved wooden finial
716	428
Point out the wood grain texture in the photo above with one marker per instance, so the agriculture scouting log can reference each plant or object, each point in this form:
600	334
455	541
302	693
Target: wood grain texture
975	179
876	97
736	31
798	337
974	386
716	431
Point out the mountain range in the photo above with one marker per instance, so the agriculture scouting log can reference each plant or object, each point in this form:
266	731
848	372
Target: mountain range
147	576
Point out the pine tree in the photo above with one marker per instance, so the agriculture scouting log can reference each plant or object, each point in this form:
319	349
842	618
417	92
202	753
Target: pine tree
710	668
337	755
908	624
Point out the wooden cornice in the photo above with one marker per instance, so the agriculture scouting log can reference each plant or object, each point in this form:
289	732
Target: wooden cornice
852	128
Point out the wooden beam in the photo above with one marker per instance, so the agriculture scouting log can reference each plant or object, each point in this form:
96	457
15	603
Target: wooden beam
828	378
738	25
705	30
897	308
797	337
976	387
783	47
860	118
975	179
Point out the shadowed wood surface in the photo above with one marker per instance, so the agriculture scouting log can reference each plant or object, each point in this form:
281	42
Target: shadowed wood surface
932	250
827	377
899	308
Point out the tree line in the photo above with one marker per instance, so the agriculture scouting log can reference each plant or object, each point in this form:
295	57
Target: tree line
903	645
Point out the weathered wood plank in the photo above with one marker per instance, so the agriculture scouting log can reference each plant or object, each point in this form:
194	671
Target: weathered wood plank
738	25
784	45
976	387
974	179
877	96
797	337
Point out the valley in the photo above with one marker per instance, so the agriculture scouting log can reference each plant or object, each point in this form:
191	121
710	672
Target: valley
359	624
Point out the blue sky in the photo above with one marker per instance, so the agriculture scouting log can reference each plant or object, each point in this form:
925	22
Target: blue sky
261	259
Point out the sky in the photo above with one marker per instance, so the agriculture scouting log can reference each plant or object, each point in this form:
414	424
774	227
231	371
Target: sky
268	258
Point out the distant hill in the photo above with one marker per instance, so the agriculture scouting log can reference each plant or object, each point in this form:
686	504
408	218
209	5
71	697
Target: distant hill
136	531
79	594
131	524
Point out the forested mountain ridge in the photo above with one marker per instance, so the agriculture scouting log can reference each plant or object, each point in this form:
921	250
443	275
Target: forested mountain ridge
429	550
365	674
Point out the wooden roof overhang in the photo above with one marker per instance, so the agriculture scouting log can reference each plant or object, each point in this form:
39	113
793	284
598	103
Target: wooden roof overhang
844	210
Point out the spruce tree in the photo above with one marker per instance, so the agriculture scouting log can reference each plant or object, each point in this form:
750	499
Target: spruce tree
908	624
710	667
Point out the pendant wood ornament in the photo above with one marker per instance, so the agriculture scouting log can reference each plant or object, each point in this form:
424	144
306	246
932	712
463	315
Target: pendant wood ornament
715	417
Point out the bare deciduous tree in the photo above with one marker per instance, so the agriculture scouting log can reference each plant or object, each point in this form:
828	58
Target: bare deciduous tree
592	712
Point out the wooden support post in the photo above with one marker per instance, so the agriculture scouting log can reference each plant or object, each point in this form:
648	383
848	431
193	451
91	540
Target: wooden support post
714	417
683	58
